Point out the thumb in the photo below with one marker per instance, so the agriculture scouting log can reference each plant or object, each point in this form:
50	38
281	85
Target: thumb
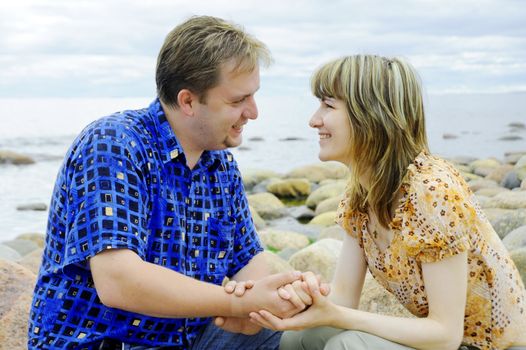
280	279
219	321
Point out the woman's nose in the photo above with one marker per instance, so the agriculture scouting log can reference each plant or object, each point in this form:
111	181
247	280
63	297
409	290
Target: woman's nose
315	121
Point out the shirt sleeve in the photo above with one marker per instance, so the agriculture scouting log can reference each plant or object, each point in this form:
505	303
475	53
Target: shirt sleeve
437	219
246	240
350	220
108	199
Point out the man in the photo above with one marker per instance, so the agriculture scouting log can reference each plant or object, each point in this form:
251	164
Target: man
149	214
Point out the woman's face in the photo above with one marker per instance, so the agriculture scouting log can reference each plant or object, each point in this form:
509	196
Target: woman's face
334	129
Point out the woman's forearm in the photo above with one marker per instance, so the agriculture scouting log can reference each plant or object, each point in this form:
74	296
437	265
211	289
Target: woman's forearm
418	333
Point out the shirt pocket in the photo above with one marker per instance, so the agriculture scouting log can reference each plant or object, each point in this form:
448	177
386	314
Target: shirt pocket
220	248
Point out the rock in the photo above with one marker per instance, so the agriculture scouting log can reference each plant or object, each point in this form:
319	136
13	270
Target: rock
462	160
447	136
320	258
510	138
334	232
375	298
470	177
16	290
513	157
517	125
320	171
32	206
267	205
295	188
32	261
325	219
519	258
484	163
523	184
287	253
258	220
301	213
490	191
496	213
252	177
288	223
279	240
22	246
256	139
483	171
520	167
511	180
8	253
275	263
509	200
14	158
38	238
292	138
515	239
329	204
325	192
497	174
476	185
509	222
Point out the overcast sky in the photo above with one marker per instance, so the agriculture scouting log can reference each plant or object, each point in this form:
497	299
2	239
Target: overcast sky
108	48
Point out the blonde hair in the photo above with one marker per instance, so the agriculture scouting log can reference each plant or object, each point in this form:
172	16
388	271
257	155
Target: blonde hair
384	102
193	52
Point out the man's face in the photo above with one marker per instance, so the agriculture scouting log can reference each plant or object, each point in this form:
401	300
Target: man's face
227	108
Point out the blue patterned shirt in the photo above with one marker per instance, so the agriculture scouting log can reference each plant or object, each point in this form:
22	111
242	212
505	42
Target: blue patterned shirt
124	184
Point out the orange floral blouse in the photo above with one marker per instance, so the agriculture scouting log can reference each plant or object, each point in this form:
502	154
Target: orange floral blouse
438	217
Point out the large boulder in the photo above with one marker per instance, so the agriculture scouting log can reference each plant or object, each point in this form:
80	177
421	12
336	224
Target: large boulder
375	298
8	253
519	258
257	219
38	238
32	261
329	204
493	214
290	188
324	192
320	258
14	158
32	206
490	191
476	185
484	163
279	240
252	177
520	167
497	174
509	222
515	239
326	219
320	171
275	263
508	200
22	246
267	205
511	180
16	290
334	232
288	223
513	157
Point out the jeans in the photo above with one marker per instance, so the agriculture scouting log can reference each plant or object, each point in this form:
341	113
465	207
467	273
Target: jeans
213	337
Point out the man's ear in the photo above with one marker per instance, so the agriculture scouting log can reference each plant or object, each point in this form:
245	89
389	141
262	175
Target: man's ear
186	100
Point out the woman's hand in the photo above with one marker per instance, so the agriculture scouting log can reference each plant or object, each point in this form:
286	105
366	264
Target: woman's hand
318	314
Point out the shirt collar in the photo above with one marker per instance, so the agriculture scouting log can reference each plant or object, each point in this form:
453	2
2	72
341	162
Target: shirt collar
168	143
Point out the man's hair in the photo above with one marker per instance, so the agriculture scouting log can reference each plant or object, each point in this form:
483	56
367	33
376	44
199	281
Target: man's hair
194	51
384	103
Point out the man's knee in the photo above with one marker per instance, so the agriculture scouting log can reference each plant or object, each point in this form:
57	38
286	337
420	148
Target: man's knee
309	339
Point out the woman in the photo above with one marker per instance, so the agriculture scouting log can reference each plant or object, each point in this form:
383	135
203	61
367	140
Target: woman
410	219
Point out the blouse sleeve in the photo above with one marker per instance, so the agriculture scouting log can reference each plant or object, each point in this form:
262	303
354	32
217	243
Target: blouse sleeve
438	219
350	220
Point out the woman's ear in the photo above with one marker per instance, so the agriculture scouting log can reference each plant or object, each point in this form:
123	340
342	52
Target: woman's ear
186	100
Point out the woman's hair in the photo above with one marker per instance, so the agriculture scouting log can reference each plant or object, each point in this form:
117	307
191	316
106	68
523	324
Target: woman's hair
194	51
384	102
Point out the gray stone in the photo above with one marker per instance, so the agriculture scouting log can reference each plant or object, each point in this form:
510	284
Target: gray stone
519	258
490	191
511	180
324	192
334	232
290	224
275	263
279	240
513	157
301	212
38	238
326	219
509	222
508	200
320	258
267	205
32	261
8	253
22	246
320	171
257	219
498	174
329	204
252	177
290	188
477	184
32	206
494	214
376	299
515	239
510	138
287	253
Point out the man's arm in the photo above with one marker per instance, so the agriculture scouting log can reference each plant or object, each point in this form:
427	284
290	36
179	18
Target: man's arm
124	281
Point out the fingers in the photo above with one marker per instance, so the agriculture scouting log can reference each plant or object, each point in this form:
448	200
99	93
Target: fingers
238	288
280	279
312	282
230	286
325	289
294	298
282	292
302	293
259	320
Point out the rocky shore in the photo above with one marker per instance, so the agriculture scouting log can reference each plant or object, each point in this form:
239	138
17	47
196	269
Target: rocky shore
294	214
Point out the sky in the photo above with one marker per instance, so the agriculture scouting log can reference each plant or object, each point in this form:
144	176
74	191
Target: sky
108	48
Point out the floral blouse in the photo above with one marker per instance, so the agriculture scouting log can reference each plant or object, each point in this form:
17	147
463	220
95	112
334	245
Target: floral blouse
438	217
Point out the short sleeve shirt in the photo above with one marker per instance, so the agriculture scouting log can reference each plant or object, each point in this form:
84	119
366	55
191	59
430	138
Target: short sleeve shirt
124	184
439	217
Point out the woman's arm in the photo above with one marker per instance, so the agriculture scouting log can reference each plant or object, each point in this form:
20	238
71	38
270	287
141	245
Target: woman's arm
446	287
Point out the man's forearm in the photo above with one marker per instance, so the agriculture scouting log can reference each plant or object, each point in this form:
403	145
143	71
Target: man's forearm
126	282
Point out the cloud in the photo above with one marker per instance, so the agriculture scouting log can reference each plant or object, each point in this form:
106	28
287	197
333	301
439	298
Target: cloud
95	47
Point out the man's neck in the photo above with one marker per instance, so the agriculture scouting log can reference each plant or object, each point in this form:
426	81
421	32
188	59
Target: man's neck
192	154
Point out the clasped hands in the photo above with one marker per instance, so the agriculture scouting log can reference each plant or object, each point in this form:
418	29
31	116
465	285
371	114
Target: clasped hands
290	300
